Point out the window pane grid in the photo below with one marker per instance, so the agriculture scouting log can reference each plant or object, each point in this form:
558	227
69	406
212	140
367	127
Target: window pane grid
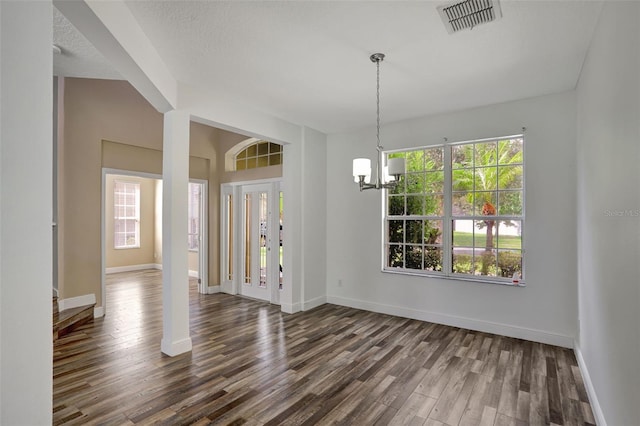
193	228
485	197
260	154
126	212
414	220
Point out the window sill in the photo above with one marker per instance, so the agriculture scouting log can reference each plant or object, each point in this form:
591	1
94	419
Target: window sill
455	278
126	248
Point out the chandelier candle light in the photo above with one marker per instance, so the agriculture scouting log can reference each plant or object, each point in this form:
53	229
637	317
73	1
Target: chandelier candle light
386	176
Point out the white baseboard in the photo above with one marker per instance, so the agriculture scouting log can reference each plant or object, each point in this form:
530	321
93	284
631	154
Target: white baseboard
290	308
314	303
98	312
454	321
212	289
591	391
176	348
74	302
129	268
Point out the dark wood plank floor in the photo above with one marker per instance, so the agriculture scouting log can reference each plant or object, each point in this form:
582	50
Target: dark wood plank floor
253	365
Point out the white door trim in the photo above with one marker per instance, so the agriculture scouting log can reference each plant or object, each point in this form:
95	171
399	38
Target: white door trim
103	262
203	258
227	285
235	189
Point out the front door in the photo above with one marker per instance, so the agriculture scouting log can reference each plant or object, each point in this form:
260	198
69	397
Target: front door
258	241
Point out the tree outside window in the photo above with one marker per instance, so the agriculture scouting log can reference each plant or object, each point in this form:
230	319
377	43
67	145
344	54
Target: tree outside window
480	225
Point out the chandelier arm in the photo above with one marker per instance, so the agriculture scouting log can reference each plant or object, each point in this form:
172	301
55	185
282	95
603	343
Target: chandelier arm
364	186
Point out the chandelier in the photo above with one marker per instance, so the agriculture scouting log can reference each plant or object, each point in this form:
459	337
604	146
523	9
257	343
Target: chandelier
386	176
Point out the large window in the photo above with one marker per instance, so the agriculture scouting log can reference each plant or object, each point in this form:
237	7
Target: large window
458	211
126	209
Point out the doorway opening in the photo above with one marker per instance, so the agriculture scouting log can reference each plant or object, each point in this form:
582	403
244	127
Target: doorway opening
132	226
197	231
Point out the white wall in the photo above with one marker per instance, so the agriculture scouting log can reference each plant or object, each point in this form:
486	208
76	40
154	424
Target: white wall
25	213
314	193
304	259
546	309
292	228
608	152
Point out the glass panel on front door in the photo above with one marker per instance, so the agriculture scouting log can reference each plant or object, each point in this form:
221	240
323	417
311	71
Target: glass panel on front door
247	239
257	241
229	242
281	211
259	236
264	236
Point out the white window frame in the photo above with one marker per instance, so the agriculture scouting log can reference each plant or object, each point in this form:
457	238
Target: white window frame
194	213
447	234
136	217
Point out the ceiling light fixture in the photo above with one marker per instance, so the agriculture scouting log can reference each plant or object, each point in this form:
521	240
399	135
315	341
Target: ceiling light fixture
386	176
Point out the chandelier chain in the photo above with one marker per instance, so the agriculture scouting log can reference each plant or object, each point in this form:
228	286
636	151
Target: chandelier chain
378	102
386	177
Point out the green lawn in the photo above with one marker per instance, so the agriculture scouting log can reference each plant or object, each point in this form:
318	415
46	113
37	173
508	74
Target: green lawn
465	239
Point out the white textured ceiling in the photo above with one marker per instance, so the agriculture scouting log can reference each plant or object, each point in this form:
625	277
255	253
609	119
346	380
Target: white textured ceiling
78	57
308	61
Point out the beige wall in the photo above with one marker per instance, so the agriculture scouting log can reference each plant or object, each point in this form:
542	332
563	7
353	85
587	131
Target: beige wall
226	141
95	110
193	261
207	147
108	124
121	156
131	256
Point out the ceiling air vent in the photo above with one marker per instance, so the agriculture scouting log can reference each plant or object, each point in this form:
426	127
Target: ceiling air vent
469	13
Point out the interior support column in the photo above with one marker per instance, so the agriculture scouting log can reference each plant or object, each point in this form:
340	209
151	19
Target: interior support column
292	166
26	108
175	271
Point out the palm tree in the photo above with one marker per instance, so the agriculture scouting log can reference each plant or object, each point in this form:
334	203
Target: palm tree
482	175
480	170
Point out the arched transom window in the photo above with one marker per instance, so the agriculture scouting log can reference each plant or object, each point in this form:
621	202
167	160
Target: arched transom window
259	154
